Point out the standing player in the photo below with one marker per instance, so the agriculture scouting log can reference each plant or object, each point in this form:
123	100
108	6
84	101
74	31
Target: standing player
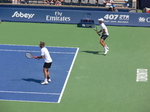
104	35
48	62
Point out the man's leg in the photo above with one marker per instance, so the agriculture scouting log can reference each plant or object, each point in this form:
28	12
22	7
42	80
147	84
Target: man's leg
45	76
102	42
45	72
48	76
104	45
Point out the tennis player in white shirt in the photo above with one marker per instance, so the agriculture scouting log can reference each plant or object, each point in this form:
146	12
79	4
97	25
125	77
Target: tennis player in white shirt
104	34
48	62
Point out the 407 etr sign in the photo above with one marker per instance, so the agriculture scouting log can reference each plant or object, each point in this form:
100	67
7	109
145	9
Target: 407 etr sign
116	17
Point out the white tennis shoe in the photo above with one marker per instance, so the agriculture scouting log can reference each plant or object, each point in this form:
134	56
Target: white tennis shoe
49	80
106	51
107	48
44	83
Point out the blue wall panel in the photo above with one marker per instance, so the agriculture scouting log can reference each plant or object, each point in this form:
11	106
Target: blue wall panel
18	14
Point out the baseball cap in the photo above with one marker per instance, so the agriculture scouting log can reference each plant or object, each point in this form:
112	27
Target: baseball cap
100	19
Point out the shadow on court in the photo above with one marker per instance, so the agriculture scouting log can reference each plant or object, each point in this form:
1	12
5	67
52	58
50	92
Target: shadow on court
94	52
32	80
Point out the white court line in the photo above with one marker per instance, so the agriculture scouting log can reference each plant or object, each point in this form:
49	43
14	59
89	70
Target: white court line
34	51
28	92
28	101
35	46
68	76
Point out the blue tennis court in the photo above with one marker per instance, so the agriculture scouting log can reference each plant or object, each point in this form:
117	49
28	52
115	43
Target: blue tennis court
20	77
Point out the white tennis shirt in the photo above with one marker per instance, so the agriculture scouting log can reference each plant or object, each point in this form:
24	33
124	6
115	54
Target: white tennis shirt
45	53
103	26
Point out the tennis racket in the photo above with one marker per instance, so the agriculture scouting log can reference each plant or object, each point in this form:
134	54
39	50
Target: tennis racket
94	28
29	55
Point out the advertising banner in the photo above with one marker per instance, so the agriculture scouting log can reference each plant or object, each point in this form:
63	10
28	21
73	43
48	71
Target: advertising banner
73	16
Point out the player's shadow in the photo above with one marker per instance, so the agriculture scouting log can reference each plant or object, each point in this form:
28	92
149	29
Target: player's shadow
32	80
94	52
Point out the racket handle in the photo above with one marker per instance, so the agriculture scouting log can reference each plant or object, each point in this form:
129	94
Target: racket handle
34	56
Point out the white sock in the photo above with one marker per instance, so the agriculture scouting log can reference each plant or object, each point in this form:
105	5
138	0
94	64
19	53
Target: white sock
105	48
45	80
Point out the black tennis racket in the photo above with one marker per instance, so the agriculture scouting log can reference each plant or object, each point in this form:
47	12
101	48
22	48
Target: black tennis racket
29	55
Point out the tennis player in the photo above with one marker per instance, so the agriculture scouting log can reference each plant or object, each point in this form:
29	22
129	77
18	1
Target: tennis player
104	34
48	62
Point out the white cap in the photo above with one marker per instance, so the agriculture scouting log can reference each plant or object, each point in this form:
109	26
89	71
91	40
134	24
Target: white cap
101	19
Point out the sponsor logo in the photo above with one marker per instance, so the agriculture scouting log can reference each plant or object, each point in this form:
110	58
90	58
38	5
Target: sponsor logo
124	17
148	19
23	15
143	19
58	16
115	18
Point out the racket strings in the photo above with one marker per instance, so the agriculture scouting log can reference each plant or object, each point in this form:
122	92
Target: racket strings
94	28
29	55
